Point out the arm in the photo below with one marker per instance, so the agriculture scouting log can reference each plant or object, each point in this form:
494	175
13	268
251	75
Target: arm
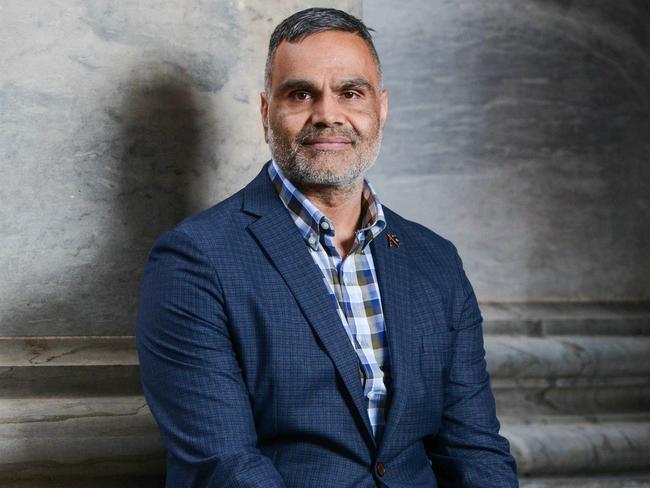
468	451
190	375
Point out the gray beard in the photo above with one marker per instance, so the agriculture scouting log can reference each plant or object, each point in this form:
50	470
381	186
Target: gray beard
303	170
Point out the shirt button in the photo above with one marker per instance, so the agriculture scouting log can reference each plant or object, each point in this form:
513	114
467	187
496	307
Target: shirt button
324	225
371	395
312	240
381	469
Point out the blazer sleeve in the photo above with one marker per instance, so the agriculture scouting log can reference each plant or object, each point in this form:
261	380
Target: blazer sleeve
190	374
468	451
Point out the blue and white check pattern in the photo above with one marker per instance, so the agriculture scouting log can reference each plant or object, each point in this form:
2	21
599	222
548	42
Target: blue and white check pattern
352	283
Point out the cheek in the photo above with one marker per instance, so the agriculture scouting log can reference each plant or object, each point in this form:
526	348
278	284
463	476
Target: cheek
366	122
286	123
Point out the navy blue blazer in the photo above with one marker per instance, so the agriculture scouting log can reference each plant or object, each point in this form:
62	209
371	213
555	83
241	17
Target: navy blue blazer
253	381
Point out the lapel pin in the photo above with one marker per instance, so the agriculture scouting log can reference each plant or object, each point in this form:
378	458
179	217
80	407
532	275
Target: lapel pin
393	241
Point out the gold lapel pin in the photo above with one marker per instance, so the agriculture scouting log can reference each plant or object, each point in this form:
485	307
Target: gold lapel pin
393	241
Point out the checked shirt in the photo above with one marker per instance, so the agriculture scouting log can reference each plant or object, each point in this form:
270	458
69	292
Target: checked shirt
352	284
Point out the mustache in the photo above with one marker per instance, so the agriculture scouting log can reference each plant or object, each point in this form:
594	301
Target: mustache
310	134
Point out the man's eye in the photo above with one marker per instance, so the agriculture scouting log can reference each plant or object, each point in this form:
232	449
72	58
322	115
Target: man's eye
350	94
300	95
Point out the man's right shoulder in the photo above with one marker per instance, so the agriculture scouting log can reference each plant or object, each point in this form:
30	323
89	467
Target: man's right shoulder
213	228
226	221
217	219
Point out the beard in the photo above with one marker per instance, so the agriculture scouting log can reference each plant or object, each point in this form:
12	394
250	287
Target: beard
304	165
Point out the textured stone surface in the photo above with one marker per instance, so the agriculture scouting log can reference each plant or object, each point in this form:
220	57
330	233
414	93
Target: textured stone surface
68	437
572	404
519	129
117	119
581	482
73	407
600	482
572	446
569	375
572	385
68	366
581	360
571	318
67	351
568	357
93	482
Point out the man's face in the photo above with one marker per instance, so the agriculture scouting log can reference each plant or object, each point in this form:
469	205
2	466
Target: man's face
324	116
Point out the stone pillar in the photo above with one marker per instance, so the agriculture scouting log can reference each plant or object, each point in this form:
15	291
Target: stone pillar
117	119
520	130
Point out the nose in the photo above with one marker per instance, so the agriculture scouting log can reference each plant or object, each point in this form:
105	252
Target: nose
326	111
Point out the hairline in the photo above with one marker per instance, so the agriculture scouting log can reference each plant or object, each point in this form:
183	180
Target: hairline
297	39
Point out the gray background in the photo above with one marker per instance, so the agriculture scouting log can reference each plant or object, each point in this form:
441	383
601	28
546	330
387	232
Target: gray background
117	119
521	131
518	129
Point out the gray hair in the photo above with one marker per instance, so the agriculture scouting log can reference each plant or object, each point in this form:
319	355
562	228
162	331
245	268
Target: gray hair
311	21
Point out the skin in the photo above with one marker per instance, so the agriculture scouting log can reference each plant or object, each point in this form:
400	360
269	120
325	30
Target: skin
323	117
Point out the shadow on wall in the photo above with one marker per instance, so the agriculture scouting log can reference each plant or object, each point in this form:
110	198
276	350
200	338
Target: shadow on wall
589	207
565	103
146	179
519	130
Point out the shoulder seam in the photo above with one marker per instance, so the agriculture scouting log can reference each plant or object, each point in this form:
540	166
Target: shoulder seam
204	254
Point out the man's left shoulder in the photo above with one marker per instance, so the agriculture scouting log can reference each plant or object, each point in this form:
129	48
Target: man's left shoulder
418	238
434	267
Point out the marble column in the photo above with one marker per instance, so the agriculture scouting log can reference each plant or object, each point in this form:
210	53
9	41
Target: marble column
118	119
520	130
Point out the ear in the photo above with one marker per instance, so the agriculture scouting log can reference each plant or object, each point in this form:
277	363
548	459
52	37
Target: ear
383	108
264	110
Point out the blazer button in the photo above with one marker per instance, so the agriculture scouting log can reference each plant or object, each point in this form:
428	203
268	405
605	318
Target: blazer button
381	469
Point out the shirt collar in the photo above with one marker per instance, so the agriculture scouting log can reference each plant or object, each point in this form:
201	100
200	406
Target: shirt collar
311	222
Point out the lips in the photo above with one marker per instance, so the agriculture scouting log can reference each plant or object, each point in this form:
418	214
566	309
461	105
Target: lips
328	143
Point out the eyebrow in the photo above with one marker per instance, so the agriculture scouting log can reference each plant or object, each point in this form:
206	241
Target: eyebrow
356	83
300	84
295	84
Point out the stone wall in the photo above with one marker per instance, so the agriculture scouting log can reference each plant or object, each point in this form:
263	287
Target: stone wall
117	119
517	129
520	130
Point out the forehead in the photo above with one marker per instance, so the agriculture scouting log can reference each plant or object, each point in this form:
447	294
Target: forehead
330	53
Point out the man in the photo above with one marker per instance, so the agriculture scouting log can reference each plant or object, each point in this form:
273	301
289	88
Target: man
299	334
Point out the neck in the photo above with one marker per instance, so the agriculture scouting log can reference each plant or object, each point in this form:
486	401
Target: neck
342	206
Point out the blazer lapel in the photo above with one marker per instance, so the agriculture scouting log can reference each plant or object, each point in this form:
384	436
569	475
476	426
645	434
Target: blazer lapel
391	266
277	234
